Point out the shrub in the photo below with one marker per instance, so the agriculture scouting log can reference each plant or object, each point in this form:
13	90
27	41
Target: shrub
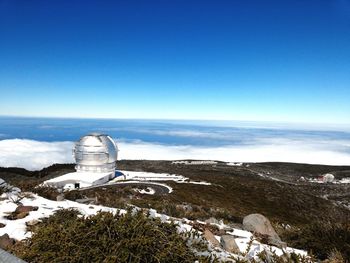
272	257
104	237
321	238
73	195
26	185
47	192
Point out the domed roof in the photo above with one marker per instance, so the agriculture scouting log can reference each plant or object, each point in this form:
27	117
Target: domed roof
95	149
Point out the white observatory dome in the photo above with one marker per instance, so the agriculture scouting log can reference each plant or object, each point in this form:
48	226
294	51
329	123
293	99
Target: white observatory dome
95	153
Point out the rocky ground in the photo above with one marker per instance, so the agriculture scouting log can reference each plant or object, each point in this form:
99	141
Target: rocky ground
306	214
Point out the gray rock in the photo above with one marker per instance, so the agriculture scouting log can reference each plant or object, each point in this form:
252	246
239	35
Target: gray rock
209	236
6	241
277	242
15	190
8	188
21	215
188	208
60	197
229	244
25	208
2	183
259	224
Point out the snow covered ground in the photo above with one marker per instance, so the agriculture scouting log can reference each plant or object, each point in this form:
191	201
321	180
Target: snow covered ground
234	164
194	162
147	191
88	180
85	179
344	181
17	228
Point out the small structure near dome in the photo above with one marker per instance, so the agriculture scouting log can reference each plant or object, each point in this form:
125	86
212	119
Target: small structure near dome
95	155
327	178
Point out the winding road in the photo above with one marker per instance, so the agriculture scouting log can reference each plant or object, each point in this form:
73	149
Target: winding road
159	188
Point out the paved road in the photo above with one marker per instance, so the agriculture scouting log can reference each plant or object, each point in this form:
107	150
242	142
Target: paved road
159	188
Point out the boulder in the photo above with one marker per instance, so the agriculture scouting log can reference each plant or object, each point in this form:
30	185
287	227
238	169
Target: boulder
21	215
25	208
2	183
15	190
259	224
60	197
2	225
6	241
229	244
209	236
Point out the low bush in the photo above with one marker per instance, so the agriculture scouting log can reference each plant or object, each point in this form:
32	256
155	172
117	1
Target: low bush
47	192
132	237
321	238
73	195
26	185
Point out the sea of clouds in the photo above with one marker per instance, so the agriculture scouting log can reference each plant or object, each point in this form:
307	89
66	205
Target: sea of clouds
34	155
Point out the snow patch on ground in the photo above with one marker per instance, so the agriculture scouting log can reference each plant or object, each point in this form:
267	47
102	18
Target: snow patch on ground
344	181
194	162
193	182
234	164
88	180
147	191
147	176
17	228
85	179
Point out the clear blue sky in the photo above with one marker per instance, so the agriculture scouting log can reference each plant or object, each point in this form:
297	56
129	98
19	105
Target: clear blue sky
240	60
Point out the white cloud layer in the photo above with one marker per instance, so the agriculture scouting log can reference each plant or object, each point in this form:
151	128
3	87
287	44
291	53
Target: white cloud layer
281	151
34	155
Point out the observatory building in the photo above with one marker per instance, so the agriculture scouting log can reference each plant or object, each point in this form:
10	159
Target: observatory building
95	153
95	156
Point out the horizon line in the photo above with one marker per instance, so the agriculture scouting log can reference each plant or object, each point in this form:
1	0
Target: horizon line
222	121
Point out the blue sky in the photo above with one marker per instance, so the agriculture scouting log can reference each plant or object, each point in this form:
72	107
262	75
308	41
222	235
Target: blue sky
221	60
